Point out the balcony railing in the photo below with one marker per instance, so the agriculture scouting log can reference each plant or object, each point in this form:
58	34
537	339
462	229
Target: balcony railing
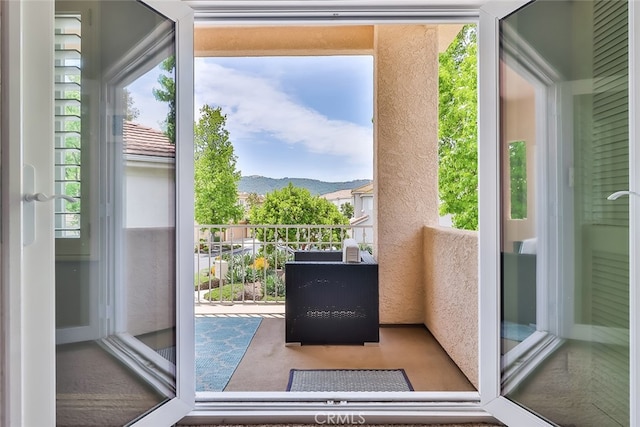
245	263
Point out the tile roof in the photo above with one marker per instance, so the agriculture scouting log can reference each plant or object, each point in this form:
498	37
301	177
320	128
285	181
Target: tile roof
340	194
364	189
145	141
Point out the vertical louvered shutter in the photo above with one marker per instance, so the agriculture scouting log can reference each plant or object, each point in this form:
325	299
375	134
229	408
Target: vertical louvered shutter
68	126
609	259
610	113
610	157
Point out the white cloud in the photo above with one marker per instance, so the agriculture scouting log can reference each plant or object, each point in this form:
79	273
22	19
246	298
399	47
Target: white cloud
257	105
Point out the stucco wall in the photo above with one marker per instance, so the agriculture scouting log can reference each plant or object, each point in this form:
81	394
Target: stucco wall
283	40
150	279
451	294
405	162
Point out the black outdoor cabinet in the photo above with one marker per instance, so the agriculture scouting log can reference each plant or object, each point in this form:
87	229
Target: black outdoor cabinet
329	301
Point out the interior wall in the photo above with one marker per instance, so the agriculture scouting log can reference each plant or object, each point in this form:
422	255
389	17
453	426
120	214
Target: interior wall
519	124
451	294
405	163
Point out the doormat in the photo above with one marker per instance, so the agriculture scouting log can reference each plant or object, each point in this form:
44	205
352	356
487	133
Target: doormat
348	380
220	346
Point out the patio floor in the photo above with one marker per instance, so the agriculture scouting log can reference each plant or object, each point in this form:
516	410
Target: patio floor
266	364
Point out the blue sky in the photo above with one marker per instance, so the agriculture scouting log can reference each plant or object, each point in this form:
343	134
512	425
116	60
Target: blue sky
306	117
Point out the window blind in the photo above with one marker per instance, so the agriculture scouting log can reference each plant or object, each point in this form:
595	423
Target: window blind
68	124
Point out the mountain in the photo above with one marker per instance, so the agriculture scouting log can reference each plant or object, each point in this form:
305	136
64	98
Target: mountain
264	185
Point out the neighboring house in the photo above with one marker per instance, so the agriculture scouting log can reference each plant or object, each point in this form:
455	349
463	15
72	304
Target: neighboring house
363	207
243	199
339	197
559	75
364	213
149	176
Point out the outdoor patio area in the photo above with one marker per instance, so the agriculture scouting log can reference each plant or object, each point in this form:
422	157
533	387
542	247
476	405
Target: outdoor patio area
267	361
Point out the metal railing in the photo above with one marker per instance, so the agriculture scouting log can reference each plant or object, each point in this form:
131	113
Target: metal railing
244	263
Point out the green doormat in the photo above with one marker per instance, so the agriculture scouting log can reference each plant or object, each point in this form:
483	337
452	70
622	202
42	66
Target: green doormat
348	380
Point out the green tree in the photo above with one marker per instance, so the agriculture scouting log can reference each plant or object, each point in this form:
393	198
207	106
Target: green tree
216	177
167	93
131	112
347	210
295	205
458	130
518	179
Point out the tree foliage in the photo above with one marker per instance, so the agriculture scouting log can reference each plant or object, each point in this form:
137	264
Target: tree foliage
518	179
295	205
216	177
131	112
458	130
167	93
253	199
347	210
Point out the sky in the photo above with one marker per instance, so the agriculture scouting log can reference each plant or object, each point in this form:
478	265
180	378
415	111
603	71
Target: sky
296	117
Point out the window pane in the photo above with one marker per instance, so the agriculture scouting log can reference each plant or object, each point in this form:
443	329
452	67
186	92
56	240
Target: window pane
116	289
565	257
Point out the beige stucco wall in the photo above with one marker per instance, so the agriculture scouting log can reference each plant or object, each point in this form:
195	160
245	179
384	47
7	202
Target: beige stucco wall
451	294
405	162
281	40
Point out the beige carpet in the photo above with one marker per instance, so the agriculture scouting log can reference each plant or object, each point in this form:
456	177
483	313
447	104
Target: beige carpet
93	389
266	364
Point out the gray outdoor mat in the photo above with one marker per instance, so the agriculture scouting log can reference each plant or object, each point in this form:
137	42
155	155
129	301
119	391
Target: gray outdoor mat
168	353
348	380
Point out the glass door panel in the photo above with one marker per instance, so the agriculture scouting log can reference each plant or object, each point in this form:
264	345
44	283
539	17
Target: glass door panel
116	257
564	149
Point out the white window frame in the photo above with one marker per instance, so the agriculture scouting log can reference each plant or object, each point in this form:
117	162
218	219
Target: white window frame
490	241
414	407
520	361
176	408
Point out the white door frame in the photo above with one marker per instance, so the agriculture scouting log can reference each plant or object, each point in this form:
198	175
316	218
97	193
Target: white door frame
28	273
634	206
489	245
489	220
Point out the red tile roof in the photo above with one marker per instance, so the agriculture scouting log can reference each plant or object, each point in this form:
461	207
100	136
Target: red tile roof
145	141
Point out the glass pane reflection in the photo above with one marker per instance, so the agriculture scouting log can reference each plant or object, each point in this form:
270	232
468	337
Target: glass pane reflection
115	271
565	265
